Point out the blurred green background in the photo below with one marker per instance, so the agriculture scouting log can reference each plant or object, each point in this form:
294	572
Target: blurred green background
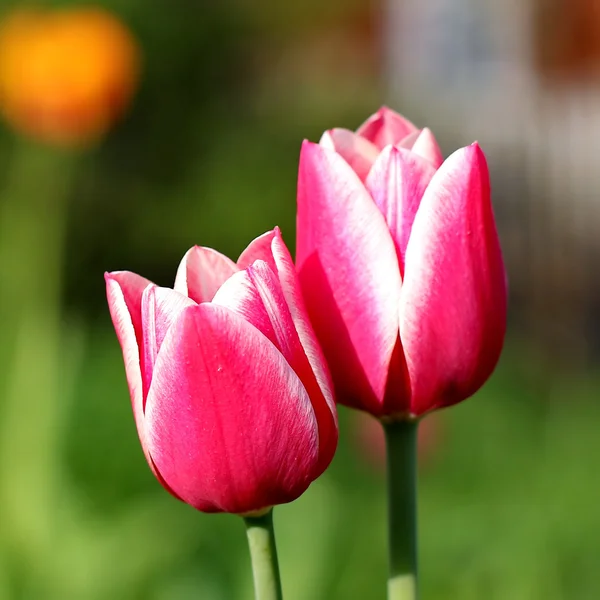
208	155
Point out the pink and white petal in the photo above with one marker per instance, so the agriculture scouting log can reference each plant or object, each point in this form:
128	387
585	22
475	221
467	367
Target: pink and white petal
290	285
308	361
409	141
322	397
124	327
425	145
132	287
349	274
160	308
201	273
385	127
258	249
256	295
241	295
397	183
453	303
259	296
357	151
229	423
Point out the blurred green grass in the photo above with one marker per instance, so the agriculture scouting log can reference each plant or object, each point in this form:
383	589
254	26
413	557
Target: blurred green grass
508	499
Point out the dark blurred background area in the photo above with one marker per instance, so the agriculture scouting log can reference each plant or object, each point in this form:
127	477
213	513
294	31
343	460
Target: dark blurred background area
207	154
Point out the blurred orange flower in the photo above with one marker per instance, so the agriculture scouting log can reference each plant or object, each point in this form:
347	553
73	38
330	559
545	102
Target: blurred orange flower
65	75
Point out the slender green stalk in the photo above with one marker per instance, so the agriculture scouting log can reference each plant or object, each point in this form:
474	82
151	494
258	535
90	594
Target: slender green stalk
33	217
263	553
401	444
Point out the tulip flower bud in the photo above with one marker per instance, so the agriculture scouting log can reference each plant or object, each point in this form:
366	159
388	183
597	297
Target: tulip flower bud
65	75
231	395
400	266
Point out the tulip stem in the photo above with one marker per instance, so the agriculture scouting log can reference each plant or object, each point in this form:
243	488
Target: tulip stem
401	446
263	554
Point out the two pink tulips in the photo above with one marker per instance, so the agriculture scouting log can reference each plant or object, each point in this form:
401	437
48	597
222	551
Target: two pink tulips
400	269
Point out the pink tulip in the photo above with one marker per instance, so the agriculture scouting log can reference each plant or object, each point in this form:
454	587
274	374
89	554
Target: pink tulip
231	395
400	266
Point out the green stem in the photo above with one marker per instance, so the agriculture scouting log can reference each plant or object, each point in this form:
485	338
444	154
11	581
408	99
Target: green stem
401	444
32	225
33	216
263	553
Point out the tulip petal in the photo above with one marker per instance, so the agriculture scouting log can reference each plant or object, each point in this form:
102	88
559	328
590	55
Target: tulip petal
229	423
132	287
323	402
385	127
271	248
349	273
357	151
258	249
124	293
255	295
201	273
397	183
424	144
453	303
160	308
261	298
